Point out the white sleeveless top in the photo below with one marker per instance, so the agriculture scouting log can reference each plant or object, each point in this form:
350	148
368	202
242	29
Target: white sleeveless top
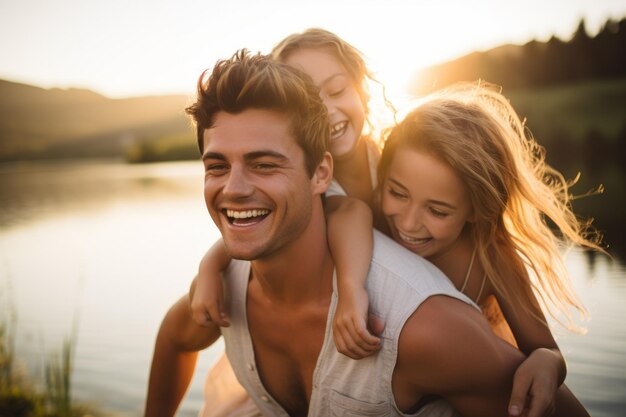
398	282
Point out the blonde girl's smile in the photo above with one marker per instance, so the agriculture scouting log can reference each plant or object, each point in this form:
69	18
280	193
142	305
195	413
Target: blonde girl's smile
413	240
425	203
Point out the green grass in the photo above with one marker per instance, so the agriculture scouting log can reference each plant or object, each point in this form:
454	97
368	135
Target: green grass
18	395
176	146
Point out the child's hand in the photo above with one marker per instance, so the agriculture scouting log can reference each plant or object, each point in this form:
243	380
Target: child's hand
207	301
352	337
535	384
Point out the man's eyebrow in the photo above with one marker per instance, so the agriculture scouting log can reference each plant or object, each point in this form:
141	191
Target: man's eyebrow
213	155
265	154
249	156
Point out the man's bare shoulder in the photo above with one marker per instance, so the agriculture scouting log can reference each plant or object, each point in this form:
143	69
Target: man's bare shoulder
179	328
446	346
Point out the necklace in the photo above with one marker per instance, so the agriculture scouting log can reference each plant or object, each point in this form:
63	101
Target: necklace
467	275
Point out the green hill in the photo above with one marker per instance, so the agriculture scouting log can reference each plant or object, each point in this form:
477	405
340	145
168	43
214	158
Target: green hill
574	110
572	92
536	64
41	123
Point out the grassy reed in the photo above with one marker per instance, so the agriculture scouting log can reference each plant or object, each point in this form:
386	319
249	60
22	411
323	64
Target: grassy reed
19	398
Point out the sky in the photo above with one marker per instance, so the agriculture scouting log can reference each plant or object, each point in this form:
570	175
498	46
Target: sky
123	48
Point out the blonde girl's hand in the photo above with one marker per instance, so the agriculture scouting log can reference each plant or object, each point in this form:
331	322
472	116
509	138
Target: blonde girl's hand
350	330
207	301
535	384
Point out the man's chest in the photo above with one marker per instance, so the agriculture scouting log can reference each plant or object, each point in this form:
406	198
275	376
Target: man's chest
286	354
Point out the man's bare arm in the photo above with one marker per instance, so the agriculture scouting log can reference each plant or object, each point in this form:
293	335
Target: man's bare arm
447	348
177	345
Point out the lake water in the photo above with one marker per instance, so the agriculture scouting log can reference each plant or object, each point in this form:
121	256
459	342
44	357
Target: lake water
107	247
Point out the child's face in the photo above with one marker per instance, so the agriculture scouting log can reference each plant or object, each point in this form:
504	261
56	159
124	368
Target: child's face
425	203
337	89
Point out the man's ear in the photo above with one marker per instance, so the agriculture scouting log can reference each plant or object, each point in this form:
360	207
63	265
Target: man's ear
323	174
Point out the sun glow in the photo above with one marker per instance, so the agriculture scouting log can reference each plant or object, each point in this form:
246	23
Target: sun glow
115	49
422	35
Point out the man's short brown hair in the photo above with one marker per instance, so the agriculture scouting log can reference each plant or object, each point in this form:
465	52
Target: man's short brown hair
247	81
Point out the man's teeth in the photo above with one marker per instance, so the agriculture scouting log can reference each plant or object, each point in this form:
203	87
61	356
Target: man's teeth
246	214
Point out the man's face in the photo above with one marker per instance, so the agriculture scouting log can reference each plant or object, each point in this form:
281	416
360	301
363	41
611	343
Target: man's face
256	186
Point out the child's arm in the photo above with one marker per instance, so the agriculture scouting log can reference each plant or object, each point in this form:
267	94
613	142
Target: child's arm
205	294
350	239
538	378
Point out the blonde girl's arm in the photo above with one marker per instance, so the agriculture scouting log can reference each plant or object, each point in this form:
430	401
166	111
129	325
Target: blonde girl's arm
538	378
205	294
349	225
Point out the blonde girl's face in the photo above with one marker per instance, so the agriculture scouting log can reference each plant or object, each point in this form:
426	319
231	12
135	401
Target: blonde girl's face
337	89
425	203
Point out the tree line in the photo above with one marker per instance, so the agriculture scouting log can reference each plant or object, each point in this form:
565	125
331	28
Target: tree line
538	64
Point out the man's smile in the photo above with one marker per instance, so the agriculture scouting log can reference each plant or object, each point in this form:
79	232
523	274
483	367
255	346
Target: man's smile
245	217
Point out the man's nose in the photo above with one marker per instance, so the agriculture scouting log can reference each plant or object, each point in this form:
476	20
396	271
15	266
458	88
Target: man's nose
238	183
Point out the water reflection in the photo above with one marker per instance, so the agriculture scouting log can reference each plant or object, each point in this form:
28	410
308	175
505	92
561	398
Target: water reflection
597	360
117	244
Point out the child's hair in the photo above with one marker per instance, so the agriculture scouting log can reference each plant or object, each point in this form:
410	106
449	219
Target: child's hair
350	57
474	129
248	81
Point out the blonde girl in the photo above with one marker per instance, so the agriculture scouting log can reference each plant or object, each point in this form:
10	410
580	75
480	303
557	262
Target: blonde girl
463	185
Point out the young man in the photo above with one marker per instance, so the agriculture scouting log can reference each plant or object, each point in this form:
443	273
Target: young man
263	133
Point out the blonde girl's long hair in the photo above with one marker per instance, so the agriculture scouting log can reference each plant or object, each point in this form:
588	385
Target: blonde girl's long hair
514	193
